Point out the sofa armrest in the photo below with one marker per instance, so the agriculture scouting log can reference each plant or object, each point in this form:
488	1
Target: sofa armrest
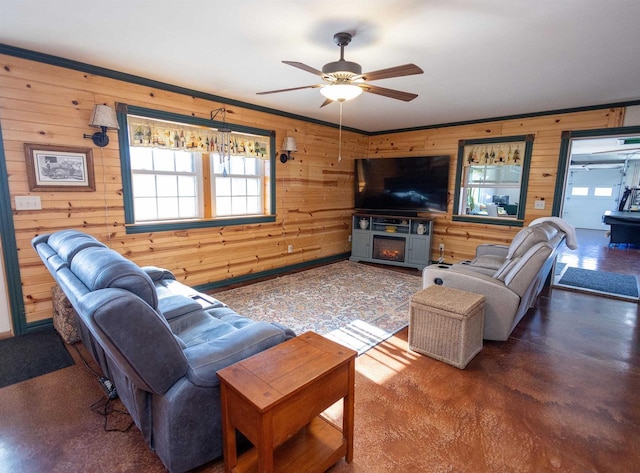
207	358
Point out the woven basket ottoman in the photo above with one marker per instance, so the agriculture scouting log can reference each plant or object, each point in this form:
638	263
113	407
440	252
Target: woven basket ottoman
446	324
64	316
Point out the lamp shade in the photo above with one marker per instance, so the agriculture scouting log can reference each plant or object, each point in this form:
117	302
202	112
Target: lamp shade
289	144
104	116
341	92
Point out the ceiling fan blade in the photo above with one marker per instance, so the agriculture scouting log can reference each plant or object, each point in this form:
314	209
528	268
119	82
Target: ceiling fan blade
398	71
394	94
326	102
304	67
287	90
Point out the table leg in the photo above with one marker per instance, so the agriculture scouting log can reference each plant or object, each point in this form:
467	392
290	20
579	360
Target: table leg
348	412
229	449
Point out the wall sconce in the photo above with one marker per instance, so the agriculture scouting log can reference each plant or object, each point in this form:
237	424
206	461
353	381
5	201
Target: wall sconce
289	145
104	117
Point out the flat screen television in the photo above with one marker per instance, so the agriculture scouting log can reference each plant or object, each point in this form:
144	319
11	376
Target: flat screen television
403	186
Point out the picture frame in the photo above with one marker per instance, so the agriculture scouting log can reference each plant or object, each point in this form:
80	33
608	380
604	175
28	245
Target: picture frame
52	168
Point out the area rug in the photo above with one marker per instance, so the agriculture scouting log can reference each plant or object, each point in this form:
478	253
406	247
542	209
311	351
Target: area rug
26	356
352	303
625	285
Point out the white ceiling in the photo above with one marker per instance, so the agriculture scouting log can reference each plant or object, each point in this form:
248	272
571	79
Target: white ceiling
481	59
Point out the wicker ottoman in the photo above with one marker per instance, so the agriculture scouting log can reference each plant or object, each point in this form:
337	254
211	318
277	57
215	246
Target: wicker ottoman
446	324
64	316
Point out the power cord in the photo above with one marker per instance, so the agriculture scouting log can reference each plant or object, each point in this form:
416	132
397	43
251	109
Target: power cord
106	409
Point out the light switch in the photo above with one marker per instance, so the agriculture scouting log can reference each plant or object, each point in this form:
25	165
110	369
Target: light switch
539	205
28	202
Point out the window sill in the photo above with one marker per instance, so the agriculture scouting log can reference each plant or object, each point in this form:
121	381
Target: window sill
504	221
220	222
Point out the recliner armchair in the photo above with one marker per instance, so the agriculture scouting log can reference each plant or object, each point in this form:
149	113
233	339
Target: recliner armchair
510	277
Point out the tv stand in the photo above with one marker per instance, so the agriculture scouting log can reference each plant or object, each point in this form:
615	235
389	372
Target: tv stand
391	239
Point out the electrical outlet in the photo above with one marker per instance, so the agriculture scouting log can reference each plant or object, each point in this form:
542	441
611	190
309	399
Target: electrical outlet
290	249
441	247
539	204
349	237
28	202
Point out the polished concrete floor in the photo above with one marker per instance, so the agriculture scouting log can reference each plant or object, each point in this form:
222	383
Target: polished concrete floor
561	395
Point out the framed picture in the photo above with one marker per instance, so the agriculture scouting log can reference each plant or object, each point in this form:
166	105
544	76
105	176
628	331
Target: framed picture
59	168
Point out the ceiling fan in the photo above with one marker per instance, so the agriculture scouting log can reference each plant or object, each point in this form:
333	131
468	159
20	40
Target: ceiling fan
344	80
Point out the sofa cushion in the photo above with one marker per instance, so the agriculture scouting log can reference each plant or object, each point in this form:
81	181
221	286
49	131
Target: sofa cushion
102	268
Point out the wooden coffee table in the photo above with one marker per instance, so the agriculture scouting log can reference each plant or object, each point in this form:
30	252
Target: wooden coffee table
275	399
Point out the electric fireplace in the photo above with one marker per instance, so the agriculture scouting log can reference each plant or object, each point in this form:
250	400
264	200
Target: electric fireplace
389	248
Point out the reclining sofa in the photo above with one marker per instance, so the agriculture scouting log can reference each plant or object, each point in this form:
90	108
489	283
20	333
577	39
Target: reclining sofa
157	340
510	277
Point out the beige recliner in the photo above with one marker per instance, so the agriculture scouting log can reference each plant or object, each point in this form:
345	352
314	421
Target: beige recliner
510	277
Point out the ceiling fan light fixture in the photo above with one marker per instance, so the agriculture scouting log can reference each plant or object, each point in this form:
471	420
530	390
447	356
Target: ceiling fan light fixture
340	92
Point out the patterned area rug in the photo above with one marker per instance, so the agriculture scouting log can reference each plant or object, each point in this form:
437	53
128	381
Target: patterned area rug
352	303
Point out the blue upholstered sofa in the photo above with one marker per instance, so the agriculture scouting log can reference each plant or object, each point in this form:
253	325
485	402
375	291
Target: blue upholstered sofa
159	342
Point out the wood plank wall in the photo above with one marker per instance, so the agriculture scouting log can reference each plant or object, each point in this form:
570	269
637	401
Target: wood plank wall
40	103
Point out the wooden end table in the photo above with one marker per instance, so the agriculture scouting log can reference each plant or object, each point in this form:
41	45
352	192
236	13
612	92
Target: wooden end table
275	399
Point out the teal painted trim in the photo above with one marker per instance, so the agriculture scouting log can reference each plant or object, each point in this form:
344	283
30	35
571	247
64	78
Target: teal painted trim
125	165
565	149
488	221
524	182
271	272
133	79
561	174
10	250
165	227
127	186
39	325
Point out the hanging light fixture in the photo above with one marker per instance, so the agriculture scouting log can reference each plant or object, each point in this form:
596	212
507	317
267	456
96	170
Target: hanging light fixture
341	92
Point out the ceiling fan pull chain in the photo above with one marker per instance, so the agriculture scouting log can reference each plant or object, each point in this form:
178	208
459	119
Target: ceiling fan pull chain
340	136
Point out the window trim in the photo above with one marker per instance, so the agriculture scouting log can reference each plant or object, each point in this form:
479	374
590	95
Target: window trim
524	181
125	166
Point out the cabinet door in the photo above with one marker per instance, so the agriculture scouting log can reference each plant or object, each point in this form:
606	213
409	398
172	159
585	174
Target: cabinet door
361	244
419	250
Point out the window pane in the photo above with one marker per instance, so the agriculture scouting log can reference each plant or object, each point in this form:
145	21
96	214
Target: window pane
236	165
223	186
251	166
238	205
145	208
580	191
168	207
144	185
239	186
603	192
253	187
187	186
253	205
223	206
163	160
141	158
184	161
188	207
167	185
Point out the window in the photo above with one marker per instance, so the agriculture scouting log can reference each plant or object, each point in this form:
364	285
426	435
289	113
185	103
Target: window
491	179
603	192
580	191
183	172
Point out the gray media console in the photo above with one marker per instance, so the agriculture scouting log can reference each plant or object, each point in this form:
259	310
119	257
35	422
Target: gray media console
399	241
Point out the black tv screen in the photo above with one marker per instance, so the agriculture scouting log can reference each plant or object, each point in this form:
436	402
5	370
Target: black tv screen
402	185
